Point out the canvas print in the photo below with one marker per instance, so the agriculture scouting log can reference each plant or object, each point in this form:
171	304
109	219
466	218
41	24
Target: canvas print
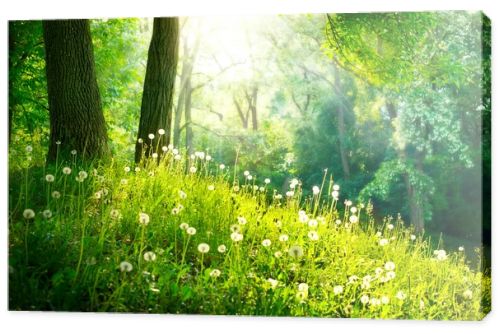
315	165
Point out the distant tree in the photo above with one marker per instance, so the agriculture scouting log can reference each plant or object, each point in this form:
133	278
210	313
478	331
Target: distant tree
157	98
76	117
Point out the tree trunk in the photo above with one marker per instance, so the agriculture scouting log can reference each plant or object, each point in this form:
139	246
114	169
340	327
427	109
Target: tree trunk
187	117
243	117
76	117
156	108
416	206
253	107
341	127
180	105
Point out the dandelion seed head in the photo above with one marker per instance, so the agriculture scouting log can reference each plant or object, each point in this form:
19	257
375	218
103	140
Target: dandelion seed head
289	193
211	187
184	226
28	214
274	283
390	226
246	173
236	237
192	169
203	248
338	289
242	220
221	248
283	238
400	295
215	273
56	194
164	148
140	141
190	230
73	152
249	177
353	219
278	254
266	242
126	266
467	294
461	249
151	136
313	235
143	218
383	242
149	256
364	299
295	251
47	213
222	166
177	157
315	190
389	265
66	170
313	223
115	214
440	254
154	155
336	187
267	180
384	300
161	132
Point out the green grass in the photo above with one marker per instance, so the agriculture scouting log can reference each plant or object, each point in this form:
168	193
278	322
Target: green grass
78	258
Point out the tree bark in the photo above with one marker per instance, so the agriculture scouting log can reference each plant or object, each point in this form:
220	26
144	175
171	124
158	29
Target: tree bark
341	126
416	205
157	97
188	118
76	117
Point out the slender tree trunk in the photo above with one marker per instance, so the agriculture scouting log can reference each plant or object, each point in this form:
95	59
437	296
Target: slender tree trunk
243	117
76	117
157	97
341	127
414	199
253	107
188	119
180	105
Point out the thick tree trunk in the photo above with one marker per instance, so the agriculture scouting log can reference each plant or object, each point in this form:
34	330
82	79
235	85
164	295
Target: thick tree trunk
344	159
156	108
76	117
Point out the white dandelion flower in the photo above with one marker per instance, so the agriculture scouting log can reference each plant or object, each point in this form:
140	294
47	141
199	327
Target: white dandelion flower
383	242
28	214
315	190
278	254
441	254
143	218
192	169
208	157
115	214
56	194
266	242
211	187
175	151
221	248
283	238
66	170
390	275
354	209
177	157
461	249
295	251
140	141
222	166
246	173
73	152
364	299
49	178
164	148
375	302
249	177
126	266
400	295
151	136
336	187
82	174
191	230
353	219
242	220
467	294
348	203
338	289
236	237
303	287
47	213
289	193
390	226
384	300
313	235
203	248
273	282
184	226
335	195
161	132
215	273
154	155
389	265
313	223
267	180
149	256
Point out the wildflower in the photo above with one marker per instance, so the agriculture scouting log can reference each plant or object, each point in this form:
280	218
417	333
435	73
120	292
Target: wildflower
115	214
278	196
313	223
82	174
215	273
175	211
273	282
235	236
29	149
249	177
126	169
353	219
378	234
289	194
303	218
191	230
389	265
400	295
467	294
177	157
149	256
49	178
338	221
98	195
283	238
203	248
303	287
266	242
143	218
315	190
278	254
222	166
364	299
164	148
348	203
246	173
336	187
73	152
140	141
383	242
184	226
192	169
335	195
352	279
126	267
236	188
354	209
151	136
440	254
278	223
338	289
221	248
375	302
170	146
175	151
242	220
295	251
422	305
47	213
461	249
390	275
29	214
365	285
123	182
208	157
235	228
66	170
390	226
154	155
137	169
313	235
378	271
161	132
267	180
56	194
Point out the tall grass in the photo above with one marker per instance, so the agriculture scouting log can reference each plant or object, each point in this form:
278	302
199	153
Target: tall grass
183	235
